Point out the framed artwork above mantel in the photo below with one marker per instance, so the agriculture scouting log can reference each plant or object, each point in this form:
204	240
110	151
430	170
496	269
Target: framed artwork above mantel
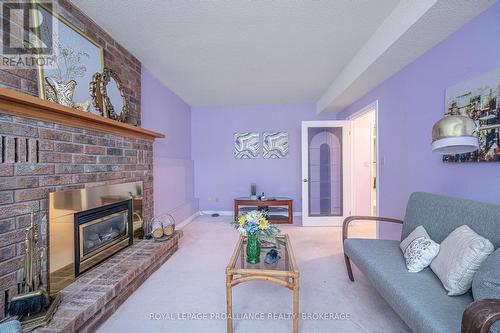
77	59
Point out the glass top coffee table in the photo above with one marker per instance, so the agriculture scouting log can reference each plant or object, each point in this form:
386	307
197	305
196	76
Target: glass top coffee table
284	272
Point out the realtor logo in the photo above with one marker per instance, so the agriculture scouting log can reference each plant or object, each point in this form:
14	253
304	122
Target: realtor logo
24	43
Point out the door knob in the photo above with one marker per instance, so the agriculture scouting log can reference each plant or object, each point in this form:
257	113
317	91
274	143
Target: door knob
305	180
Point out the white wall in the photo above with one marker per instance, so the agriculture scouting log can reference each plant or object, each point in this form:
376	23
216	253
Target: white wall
362	163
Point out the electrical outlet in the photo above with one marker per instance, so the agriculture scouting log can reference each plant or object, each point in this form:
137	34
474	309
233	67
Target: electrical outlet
213	199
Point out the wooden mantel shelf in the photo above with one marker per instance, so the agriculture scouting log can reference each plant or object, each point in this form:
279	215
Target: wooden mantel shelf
23	105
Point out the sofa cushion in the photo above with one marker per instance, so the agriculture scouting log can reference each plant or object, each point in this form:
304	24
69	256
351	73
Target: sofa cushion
418	298
486	283
441	215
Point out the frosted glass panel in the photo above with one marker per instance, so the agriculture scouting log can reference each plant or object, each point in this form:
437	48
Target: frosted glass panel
325	171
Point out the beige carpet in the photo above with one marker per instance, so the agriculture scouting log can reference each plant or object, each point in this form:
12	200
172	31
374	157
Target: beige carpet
191	285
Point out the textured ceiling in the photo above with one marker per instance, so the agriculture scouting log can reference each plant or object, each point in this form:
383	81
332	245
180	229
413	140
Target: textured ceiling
409	31
242	52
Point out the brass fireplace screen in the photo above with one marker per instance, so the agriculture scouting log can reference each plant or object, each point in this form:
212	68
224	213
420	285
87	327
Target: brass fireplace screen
99	235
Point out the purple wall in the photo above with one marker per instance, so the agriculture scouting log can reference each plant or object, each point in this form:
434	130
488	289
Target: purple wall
409	104
165	112
219	175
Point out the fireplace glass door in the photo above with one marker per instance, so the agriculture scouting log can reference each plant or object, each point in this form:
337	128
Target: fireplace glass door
101	232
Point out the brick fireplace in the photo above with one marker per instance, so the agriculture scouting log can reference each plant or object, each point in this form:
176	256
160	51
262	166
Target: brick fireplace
39	157
75	150
46	148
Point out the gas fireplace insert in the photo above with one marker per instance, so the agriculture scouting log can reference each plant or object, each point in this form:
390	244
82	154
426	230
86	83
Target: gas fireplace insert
101	232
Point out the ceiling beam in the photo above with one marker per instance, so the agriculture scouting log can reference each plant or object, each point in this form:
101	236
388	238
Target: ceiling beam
412	28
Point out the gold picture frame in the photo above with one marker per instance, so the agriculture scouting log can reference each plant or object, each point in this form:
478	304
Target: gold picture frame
83	84
96	94
107	104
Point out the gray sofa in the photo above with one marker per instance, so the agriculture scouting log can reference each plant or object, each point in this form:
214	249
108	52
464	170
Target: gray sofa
419	298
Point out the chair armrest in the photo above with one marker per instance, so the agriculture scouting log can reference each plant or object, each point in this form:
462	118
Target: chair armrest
348	220
480	315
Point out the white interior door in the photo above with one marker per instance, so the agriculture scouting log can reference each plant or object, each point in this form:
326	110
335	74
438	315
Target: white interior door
326	197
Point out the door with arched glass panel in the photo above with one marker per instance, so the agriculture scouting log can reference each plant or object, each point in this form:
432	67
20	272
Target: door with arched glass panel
325	172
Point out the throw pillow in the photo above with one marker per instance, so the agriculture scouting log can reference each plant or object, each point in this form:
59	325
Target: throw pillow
459	258
486	282
420	253
418	232
418	250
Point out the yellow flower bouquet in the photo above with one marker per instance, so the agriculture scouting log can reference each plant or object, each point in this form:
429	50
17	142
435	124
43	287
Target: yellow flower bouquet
256	223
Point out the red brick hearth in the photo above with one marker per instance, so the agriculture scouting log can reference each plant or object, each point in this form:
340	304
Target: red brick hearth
90	300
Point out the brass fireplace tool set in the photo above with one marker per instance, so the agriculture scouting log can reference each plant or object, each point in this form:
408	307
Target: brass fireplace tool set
33	306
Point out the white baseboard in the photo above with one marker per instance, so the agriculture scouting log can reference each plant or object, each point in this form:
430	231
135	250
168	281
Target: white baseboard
184	223
231	213
220	212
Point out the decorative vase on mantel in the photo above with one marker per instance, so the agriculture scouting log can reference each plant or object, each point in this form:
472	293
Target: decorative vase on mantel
253	249
60	92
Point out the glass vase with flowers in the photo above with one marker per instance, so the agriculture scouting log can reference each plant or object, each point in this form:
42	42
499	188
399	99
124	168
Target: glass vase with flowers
256	227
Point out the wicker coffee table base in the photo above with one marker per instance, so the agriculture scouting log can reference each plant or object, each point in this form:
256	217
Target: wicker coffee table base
288	278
